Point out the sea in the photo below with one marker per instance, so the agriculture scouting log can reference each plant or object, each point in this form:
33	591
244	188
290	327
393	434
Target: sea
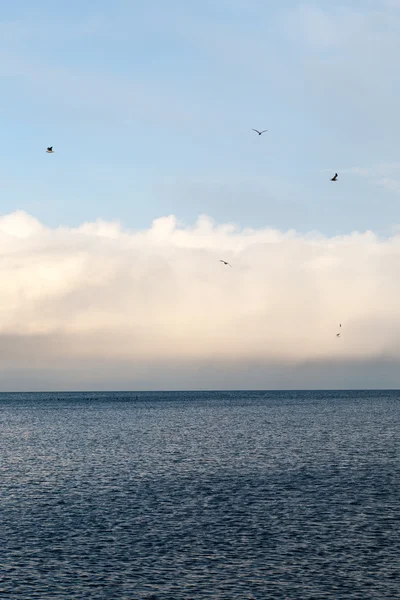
200	495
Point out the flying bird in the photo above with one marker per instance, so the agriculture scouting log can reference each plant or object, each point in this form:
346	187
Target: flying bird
340	324
338	335
50	150
335	177
260	132
225	263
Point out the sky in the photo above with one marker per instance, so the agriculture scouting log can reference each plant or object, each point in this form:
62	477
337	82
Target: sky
110	247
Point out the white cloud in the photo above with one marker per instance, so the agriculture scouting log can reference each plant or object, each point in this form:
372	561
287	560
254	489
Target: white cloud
392	3
314	26
385	175
343	27
100	293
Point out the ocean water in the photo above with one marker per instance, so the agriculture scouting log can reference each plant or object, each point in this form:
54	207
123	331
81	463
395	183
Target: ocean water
233	495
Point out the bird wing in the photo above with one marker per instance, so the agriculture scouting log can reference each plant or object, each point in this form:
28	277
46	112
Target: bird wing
256	130
264	130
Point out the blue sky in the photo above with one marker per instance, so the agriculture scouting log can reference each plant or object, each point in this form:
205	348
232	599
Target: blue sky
110	248
150	105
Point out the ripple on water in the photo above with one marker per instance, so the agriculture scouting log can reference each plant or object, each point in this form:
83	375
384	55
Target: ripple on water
200	496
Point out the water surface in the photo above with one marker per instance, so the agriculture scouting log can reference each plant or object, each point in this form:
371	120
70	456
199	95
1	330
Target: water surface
264	495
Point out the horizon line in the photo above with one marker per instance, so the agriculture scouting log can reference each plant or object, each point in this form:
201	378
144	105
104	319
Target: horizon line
204	391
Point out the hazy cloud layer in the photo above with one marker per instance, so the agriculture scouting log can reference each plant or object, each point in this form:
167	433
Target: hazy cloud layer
98	306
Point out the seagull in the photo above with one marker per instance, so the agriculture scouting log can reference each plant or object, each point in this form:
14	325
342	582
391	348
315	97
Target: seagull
225	263
50	150
338	335
260	132
340	324
335	177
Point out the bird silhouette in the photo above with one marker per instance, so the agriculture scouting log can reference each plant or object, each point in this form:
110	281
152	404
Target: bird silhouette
260	132
335	177
338	335
225	263
50	150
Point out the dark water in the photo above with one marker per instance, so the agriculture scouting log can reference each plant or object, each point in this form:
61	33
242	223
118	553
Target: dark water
200	495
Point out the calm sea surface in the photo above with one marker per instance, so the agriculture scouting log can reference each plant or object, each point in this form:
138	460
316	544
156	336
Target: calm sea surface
200	495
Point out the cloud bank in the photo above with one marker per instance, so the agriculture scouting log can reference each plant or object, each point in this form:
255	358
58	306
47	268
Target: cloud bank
101	307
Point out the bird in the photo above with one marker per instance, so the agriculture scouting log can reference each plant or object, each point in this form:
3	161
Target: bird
260	132
338	335
50	150
225	263
335	177
340	324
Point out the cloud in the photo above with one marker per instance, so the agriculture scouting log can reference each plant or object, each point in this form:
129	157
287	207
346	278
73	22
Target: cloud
313	26
344	27
386	175
392	3
98	300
